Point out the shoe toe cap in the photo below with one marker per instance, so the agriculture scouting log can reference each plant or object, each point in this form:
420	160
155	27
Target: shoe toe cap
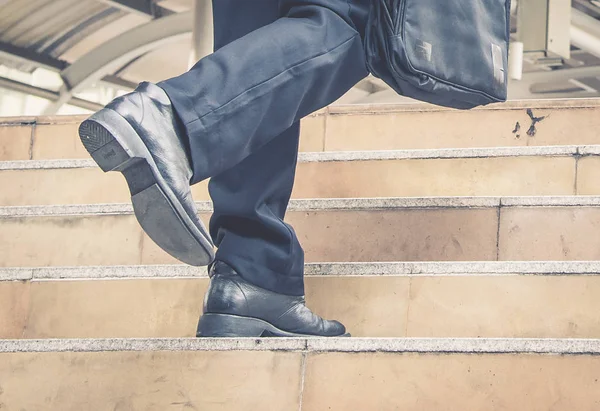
334	328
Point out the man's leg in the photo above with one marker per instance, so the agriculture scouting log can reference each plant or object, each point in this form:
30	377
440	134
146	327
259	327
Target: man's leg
275	82
251	198
246	97
238	99
259	267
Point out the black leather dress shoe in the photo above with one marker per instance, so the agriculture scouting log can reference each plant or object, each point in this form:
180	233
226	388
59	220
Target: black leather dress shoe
235	308
139	135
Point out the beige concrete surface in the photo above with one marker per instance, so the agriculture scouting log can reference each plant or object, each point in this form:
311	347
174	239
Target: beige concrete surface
374	307
404	234
312	132
70	241
381	127
378	129
15	142
153	254
400	235
412	382
367	306
150	381
57	138
434	306
118	308
505	306
57	141
588	176
549	234
502	176
14	308
62	186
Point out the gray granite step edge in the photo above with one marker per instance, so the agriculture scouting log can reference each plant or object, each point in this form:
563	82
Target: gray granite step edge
372	108
323	204
550	201
392	108
312	157
316	345
589	150
380	269
447	153
47	164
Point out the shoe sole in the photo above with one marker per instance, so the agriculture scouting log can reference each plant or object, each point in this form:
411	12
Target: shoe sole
115	146
232	326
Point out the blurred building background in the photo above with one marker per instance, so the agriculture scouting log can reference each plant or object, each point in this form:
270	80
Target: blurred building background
73	56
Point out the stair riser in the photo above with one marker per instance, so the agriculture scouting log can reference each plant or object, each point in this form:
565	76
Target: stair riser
59	139
380	130
151	381
502	176
444	234
363	128
293	380
15	142
451	382
379	306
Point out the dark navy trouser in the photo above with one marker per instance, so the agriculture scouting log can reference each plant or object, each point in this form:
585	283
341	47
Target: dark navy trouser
276	61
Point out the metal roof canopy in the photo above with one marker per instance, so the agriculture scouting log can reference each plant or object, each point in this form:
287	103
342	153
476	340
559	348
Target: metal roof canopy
119	51
39	33
35	33
144	7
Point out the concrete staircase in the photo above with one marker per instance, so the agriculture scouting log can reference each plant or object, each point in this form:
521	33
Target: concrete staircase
461	248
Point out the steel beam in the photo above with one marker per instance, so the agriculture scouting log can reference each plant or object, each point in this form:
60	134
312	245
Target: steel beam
147	8
13	85
119	82
118	51
587	7
585	32
26	57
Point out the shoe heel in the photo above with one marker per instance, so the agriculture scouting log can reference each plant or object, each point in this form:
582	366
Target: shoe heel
100	142
115	145
223	325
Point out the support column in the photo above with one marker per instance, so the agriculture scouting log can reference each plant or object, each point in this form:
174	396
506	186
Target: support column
203	33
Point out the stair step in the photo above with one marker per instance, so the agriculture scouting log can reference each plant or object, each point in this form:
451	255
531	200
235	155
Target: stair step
342	230
298	374
363	127
393	126
478	299
516	171
411	269
564	346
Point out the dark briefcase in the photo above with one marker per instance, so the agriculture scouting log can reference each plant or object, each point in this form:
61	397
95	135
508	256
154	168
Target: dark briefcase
452	53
